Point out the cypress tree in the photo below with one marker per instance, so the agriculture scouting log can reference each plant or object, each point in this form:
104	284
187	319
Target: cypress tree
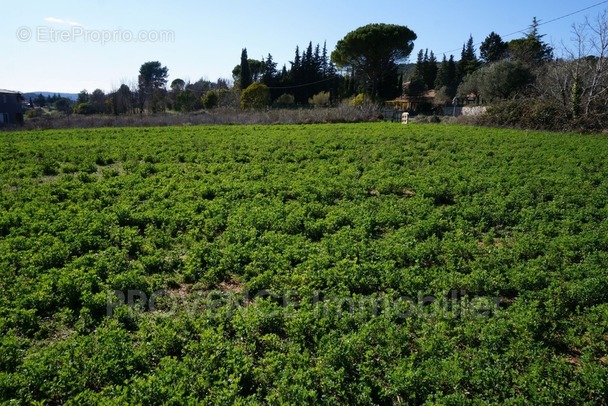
446	76
245	72
430	71
317	61
324	61
419	69
296	64
442	74
308	64
452	70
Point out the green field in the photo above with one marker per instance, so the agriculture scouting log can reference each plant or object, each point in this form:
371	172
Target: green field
311	264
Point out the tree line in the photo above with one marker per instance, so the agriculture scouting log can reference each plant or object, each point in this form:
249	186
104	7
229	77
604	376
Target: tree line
506	67
522	81
371	63
311	72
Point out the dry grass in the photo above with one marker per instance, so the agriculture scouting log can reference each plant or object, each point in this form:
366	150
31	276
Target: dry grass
220	116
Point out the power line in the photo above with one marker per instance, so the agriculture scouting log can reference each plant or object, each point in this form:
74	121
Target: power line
562	17
305	84
575	12
456	49
543	23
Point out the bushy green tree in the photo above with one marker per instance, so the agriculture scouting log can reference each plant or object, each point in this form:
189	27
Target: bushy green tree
97	101
285	100
256	96
64	105
210	100
498	81
83	97
186	100
40	100
122	100
177	85
373	52
152	80
93	103
82	103
230	98
256	69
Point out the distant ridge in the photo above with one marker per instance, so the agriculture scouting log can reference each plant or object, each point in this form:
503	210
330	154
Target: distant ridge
71	96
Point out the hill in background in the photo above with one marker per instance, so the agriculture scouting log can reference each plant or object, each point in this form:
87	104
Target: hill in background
71	96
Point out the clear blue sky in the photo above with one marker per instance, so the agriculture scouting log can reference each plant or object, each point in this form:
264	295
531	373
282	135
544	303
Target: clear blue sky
70	45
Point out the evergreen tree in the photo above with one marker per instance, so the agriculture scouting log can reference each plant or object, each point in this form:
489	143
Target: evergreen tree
493	48
469	50
468	60
297	73
446	77
420	62
425	71
270	71
545	52
325	70
530	50
430	71
416	85
295	65
308	67
40	100
307	59
452	70
83	97
245	72
419	68
311	73
442	73
270	76
151	81
316	61
373	53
